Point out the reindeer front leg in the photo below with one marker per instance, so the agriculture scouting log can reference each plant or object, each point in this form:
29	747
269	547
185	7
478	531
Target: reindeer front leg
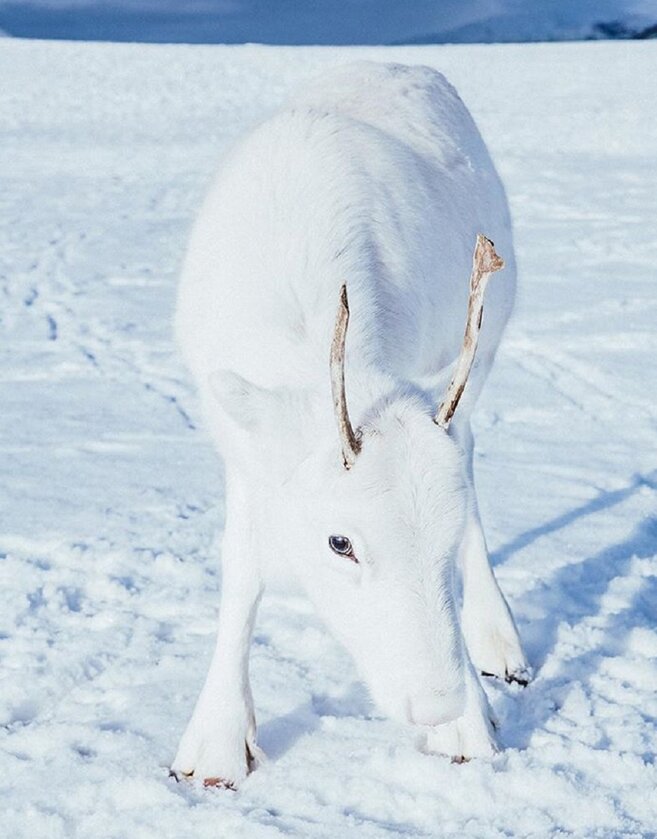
488	626
218	746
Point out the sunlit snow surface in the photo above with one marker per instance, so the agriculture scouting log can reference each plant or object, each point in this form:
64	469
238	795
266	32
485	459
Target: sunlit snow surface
111	497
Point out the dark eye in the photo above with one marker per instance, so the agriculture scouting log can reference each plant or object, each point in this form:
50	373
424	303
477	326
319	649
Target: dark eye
342	546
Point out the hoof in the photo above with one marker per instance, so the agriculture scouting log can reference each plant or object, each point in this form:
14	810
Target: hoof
180	776
219	783
216	757
521	676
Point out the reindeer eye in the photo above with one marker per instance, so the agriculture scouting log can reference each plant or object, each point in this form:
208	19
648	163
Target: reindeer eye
342	546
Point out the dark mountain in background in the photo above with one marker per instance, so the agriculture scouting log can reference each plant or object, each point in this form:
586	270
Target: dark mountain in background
329	21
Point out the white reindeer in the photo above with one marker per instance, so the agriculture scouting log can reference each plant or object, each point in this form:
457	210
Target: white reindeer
375	177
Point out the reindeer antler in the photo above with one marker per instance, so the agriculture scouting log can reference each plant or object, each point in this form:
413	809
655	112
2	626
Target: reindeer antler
350	442
484	263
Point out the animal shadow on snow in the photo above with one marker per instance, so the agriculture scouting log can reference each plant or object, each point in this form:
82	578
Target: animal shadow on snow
573	594
278	735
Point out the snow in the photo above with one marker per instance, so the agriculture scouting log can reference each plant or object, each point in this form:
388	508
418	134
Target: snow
111	498
329	21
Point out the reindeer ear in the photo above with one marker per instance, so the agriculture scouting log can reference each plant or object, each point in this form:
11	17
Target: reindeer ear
247	405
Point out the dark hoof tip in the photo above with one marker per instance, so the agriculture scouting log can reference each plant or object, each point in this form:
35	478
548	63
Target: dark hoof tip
180	776
521	678
218	783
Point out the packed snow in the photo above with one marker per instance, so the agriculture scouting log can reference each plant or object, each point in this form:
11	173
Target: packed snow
112	494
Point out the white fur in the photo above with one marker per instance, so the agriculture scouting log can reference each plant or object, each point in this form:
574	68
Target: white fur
377	177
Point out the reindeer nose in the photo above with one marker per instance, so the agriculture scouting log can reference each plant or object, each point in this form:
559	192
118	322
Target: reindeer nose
434	707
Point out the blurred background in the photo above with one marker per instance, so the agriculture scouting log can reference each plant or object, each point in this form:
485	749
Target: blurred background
329	21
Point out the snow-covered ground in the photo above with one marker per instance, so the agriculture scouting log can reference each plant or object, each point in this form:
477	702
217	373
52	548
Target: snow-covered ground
110	497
